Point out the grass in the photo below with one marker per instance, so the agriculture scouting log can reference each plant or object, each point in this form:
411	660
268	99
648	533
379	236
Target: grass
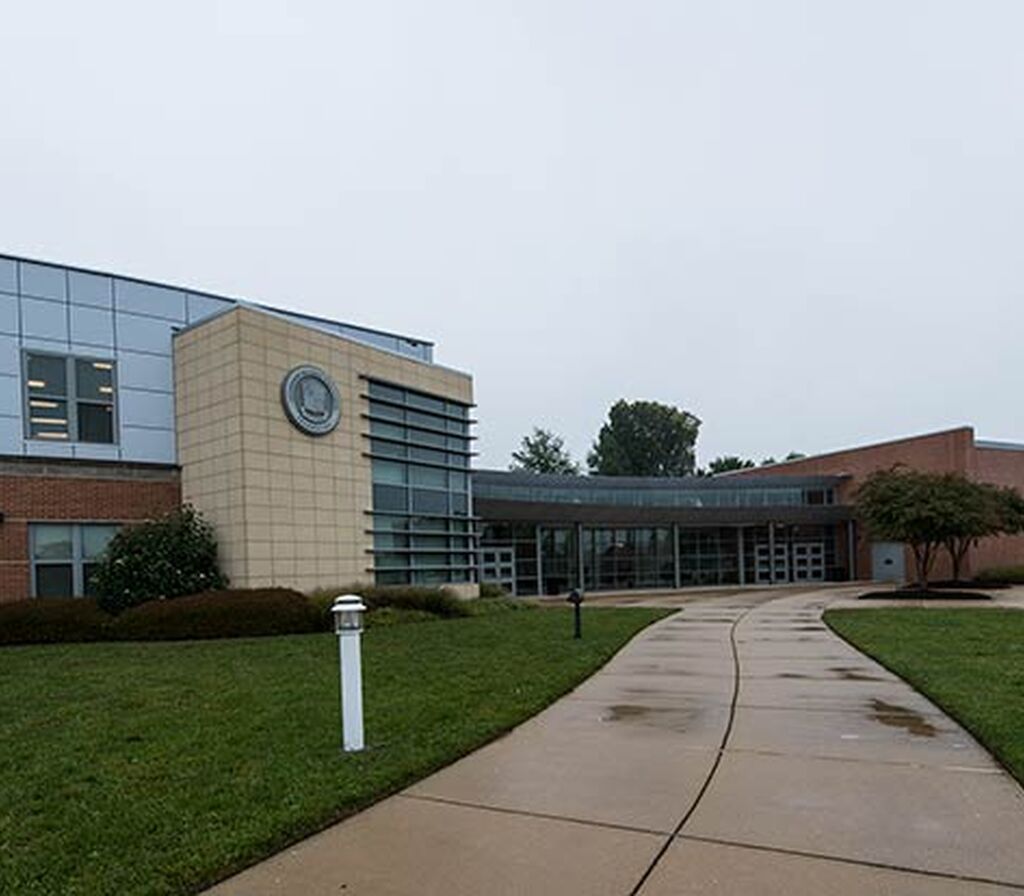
157	768
968	661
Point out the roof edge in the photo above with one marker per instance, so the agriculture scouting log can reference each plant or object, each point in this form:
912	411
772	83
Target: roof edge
212	295
865	447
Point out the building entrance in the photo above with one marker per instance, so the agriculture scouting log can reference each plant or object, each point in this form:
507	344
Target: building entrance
498	567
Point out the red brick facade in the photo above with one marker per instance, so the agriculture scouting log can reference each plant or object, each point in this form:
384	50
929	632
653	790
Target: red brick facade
36	491
951	451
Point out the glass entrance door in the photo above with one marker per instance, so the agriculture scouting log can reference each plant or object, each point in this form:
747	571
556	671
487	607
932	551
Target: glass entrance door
771	566
809	561
498	567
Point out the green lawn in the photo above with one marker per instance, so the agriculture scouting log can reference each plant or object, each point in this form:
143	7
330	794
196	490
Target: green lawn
157	768
968	661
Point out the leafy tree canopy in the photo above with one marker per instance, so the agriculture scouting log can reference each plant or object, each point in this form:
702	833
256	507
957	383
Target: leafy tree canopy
726	464
544	452
931	511
645	438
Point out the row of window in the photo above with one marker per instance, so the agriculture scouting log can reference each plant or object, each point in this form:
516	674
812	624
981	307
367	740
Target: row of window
579	493
69	399
408	398
645	557
421	490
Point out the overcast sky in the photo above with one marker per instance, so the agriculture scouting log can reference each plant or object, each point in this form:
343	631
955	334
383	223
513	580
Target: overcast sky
800	221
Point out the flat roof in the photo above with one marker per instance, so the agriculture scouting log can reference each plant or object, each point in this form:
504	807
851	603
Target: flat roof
521	479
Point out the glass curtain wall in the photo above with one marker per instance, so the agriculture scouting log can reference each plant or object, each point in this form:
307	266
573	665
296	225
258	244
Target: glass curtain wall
624	558
630	557
422	528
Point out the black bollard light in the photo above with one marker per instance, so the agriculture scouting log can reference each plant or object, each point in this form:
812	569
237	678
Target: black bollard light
576	598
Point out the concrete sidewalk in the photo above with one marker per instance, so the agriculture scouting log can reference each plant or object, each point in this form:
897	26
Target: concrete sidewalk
811	771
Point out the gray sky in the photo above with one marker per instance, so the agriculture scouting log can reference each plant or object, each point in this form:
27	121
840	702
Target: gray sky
801	221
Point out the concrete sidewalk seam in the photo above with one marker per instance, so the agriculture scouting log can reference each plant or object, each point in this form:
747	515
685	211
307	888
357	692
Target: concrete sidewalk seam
527	814
844	860
895	763
714	766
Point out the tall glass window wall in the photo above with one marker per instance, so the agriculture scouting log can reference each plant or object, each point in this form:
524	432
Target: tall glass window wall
620	559
422	527
548	558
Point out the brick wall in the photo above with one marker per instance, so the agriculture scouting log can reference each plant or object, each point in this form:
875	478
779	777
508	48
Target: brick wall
34	492
951	451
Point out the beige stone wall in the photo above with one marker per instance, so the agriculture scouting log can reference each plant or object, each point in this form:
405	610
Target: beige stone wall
290	509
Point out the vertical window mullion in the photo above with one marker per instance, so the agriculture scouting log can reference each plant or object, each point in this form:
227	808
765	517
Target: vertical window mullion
72	381
77	588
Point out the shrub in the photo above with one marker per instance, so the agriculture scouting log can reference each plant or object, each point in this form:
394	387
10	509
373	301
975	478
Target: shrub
51	621
171	556
436	601
386	617
239	613
500	605
490	590
1013	575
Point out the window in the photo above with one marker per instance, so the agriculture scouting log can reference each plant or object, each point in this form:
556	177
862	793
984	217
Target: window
69	399
416	440
64	556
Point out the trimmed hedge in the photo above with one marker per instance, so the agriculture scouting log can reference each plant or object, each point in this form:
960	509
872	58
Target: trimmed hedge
1011	575
215	614
49	621
239	613
234	613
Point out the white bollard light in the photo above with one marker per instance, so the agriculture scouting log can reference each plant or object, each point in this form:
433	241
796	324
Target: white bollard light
348	626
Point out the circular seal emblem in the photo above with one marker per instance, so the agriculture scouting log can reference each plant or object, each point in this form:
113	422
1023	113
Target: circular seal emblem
311	400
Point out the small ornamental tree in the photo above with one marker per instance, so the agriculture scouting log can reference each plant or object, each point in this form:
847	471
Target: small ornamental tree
931	512
978	510
907	506
171	556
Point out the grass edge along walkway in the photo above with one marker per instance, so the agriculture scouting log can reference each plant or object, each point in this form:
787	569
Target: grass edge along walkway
968	661
163	767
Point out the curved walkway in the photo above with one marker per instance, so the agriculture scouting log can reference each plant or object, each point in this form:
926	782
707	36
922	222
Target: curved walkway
737	747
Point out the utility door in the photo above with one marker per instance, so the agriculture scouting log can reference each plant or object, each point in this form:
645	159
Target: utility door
887	562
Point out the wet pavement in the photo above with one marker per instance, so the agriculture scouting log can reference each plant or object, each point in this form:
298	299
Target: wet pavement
737	747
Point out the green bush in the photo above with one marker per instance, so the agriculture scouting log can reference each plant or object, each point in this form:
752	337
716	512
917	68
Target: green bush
490	590
436	601
220	614
386	617
52	621
493	605
1013	575
171	556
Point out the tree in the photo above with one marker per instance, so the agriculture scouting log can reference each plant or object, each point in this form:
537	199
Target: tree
793	455
726	464
931	512
978	510
906	506
544	452
645	438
